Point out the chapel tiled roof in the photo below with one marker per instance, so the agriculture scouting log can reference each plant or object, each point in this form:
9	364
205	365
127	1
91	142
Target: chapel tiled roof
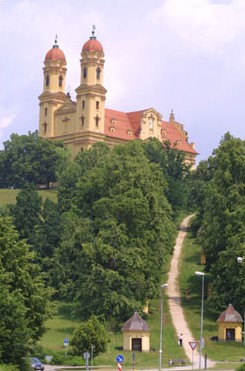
230	315
127	126
135	323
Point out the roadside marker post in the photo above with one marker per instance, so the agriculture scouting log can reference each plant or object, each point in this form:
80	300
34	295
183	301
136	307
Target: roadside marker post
119	360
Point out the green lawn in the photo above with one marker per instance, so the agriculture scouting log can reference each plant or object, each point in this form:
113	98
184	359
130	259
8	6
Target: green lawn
8	196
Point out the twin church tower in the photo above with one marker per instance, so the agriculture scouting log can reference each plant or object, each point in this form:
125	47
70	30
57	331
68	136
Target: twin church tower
81	123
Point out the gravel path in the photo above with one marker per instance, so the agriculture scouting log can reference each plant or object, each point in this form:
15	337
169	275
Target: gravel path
174	300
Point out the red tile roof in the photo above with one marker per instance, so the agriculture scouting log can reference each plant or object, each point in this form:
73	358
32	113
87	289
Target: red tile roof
55	54
135	323
92	45
126	126
230	315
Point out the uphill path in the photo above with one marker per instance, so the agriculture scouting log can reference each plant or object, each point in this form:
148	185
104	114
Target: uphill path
174	300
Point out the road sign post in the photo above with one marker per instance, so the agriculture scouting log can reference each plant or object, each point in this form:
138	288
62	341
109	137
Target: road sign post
86	356
66	342
119	360
193	345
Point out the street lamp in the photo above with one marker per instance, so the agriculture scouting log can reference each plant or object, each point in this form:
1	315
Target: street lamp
201	321
161	322
240	259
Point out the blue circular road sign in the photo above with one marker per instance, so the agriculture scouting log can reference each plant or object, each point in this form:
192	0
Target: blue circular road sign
119	358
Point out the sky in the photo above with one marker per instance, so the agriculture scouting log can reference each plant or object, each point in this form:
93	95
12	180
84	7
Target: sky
182	55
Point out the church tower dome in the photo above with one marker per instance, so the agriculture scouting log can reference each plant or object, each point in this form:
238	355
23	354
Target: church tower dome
92	45
55	54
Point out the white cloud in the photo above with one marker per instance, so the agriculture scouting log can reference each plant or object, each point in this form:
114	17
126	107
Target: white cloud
203	25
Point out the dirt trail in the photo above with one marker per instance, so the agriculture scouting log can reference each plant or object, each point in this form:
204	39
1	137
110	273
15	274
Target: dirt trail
174	300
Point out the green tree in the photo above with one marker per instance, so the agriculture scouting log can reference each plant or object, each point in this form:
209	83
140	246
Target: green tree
24	299
90	337
222	215
31	159
84	161
26	213
175	171
119	258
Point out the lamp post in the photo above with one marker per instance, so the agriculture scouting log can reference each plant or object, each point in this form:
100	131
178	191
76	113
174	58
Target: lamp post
240	260
201	321
161	322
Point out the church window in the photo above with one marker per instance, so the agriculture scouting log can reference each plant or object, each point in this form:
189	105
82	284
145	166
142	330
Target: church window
97	121
84	72
45	111
60	81
47	80
97	104
82	121
98	73
83	104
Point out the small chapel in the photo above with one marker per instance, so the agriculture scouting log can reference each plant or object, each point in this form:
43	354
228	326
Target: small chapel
81	123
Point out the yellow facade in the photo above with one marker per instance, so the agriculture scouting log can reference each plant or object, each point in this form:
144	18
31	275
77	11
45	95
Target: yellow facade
224	328
129	336
86	121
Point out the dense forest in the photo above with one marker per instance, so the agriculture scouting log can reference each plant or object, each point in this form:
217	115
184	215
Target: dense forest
104	245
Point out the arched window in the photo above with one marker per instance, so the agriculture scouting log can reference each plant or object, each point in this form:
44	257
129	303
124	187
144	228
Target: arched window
98	73
47	80
60	81
82	121
84	72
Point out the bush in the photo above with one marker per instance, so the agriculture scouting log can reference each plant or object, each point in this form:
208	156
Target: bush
90	336
241	368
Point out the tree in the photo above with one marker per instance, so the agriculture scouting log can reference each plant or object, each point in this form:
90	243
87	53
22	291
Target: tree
84	161
222	215
24	299
26	213
31	159
175	171
118	235
91	336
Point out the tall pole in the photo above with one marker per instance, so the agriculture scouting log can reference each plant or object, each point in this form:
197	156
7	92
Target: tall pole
201	321
161	324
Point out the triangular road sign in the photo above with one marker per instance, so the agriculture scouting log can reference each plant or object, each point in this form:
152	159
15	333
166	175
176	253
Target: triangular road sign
193	344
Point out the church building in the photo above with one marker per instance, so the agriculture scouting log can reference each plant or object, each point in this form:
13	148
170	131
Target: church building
81	123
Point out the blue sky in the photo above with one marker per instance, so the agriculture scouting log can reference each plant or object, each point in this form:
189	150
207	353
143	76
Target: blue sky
185	55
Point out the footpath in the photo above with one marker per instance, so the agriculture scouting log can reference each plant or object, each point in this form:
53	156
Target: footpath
174	302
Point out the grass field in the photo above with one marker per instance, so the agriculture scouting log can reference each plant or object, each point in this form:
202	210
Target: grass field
8	196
